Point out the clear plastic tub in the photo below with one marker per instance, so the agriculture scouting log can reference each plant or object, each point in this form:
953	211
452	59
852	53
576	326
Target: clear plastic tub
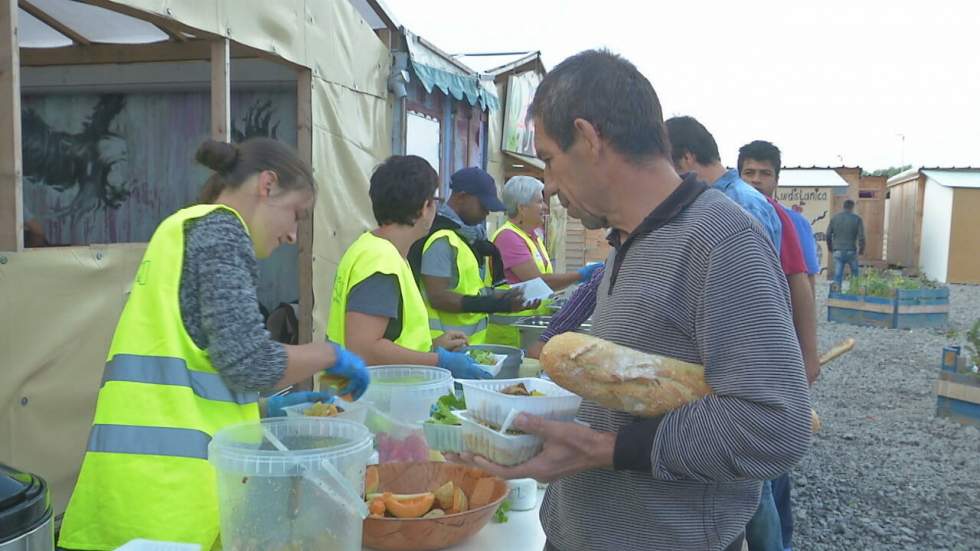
353	411
407	392
270	499
444	438
485	402
503	449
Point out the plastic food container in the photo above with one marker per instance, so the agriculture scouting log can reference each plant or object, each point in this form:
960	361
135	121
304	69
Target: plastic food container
523	494
494	368
270	499
503	449
407	392
353	411
485	402
512	361
444	438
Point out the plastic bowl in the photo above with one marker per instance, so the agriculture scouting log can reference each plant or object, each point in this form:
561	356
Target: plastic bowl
485	402
503	449
353	411
407	392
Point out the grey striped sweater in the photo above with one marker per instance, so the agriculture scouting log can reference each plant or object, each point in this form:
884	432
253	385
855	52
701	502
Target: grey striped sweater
705	288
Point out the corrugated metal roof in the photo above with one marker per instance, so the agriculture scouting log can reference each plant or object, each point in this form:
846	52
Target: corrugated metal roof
804	177
955	178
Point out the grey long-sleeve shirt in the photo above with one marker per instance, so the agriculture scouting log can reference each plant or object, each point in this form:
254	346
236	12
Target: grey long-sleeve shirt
220	307
698	281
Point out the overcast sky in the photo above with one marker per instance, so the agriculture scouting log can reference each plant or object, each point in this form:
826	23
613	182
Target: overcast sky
830	82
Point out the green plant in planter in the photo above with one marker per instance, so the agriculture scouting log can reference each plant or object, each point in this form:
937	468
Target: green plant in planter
876	283
973	342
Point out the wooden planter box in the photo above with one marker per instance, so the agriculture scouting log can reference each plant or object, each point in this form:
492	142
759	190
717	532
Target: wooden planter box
905	310
957	394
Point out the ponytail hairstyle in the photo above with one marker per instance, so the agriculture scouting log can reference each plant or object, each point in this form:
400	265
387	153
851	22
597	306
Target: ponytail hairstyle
233	164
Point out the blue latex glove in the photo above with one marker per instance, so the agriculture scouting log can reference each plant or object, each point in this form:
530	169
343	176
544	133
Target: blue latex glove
275	404
350	366
585	272
461	365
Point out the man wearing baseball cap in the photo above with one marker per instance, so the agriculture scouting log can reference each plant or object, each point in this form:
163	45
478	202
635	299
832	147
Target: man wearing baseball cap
452	261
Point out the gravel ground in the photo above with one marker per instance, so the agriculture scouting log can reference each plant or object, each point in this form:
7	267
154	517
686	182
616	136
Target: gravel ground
885	473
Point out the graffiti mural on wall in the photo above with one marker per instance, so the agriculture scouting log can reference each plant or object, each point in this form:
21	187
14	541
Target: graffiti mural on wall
91	163
108	168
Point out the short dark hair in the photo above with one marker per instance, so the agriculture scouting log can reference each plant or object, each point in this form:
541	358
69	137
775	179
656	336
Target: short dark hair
400	187
848	204
609	92
687	135
760	150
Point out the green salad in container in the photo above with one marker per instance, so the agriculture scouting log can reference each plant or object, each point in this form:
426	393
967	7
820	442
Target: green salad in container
442	411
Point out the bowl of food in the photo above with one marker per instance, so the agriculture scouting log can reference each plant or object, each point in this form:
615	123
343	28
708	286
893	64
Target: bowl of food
487	359
428	506
492	400
339	408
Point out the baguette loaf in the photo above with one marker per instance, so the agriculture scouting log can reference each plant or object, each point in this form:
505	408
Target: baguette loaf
624	379
621	378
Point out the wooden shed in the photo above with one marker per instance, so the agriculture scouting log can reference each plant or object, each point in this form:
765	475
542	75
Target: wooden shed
933	225
126	89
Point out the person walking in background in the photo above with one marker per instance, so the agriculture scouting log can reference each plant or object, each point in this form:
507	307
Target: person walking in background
845	241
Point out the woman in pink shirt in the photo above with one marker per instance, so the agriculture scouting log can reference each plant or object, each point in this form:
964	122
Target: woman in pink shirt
521	245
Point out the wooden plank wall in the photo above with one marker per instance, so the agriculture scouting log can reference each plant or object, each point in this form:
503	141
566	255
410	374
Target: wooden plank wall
964	256
905	223
871	208
11	192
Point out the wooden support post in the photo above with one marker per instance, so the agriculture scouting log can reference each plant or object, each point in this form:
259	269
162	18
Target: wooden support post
55	24
11	191
304	143
221	90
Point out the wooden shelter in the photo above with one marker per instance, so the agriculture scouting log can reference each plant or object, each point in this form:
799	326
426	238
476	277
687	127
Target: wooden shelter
62	303
933	225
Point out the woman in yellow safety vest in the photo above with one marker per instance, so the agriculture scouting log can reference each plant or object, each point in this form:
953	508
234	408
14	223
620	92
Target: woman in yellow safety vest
377	309
524	255
190	354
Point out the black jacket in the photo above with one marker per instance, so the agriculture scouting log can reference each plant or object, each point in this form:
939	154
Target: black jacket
481	248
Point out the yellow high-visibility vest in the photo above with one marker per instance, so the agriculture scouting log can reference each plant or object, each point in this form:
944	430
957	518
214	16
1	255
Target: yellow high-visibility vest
471	324
371	255
145	473
501	330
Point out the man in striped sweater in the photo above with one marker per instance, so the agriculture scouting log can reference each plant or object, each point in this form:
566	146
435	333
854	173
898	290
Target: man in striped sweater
691	277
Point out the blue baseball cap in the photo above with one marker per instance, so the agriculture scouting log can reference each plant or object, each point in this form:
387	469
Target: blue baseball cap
476	181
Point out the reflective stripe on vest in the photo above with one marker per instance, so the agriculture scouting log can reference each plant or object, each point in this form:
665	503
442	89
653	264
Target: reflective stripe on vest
145	474
501	330
174	372
437	325
469	283
370	255
149	441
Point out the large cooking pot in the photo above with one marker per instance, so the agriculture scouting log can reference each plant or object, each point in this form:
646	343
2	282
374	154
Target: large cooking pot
25	512
532	327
